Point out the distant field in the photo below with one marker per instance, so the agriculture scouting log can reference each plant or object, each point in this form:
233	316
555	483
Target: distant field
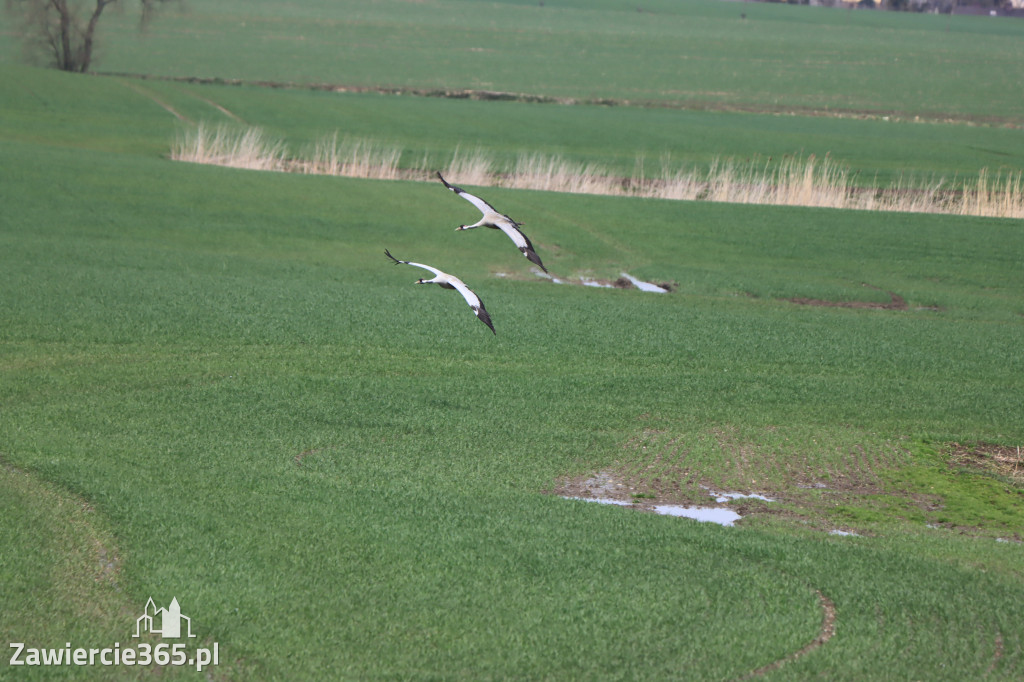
698	53
216	387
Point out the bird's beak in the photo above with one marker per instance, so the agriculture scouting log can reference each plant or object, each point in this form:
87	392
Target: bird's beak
460	227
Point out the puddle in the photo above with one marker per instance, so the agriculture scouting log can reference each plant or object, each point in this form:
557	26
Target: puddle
625	282
546	275
644	286
724	517
719	515
603	488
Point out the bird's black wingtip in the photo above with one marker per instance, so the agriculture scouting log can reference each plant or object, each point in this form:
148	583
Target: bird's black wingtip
532	256
457	190
484	317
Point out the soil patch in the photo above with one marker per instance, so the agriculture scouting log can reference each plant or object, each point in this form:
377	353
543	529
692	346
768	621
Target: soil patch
1004	460
896	302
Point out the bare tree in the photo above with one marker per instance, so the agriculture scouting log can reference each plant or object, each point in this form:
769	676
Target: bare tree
65	30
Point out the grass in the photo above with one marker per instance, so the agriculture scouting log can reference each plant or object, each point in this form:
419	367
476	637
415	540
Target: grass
72	574
700	54
227	379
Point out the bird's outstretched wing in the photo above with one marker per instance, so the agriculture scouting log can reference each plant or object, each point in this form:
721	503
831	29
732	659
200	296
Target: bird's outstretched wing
474	302
522	242
475	200
437	273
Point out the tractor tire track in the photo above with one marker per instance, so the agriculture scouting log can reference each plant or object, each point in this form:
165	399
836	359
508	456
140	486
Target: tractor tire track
164	105
825	633
224	110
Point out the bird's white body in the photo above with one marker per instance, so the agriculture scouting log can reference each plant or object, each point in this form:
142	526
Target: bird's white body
498	221
447	281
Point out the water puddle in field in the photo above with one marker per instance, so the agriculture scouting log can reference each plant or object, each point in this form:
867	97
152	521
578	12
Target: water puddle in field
724	517
644	286
626	281
720	515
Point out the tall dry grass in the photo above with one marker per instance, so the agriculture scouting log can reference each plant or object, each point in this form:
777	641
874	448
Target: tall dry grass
1004	197
474	168
252	148
356	158
555	174
792	181
230	146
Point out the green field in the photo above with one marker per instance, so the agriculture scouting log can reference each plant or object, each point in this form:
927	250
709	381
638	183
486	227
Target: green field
215	387
700	53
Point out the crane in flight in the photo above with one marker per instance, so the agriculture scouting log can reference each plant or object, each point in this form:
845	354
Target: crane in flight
447	281
496	221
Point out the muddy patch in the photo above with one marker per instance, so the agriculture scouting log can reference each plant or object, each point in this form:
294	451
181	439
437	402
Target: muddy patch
896	302
833	485
1003	460
764	476
605	487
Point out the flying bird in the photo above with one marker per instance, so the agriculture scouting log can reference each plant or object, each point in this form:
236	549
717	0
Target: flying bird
450	282
496	221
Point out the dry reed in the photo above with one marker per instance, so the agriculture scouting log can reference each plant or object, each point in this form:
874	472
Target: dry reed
793	181
234	147
354	158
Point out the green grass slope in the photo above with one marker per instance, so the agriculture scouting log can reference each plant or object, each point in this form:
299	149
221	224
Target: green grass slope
215	386
339	473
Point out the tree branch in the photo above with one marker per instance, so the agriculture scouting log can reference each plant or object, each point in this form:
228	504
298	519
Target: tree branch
61	30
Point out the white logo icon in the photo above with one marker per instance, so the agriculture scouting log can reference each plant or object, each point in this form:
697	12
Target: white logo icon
164	622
